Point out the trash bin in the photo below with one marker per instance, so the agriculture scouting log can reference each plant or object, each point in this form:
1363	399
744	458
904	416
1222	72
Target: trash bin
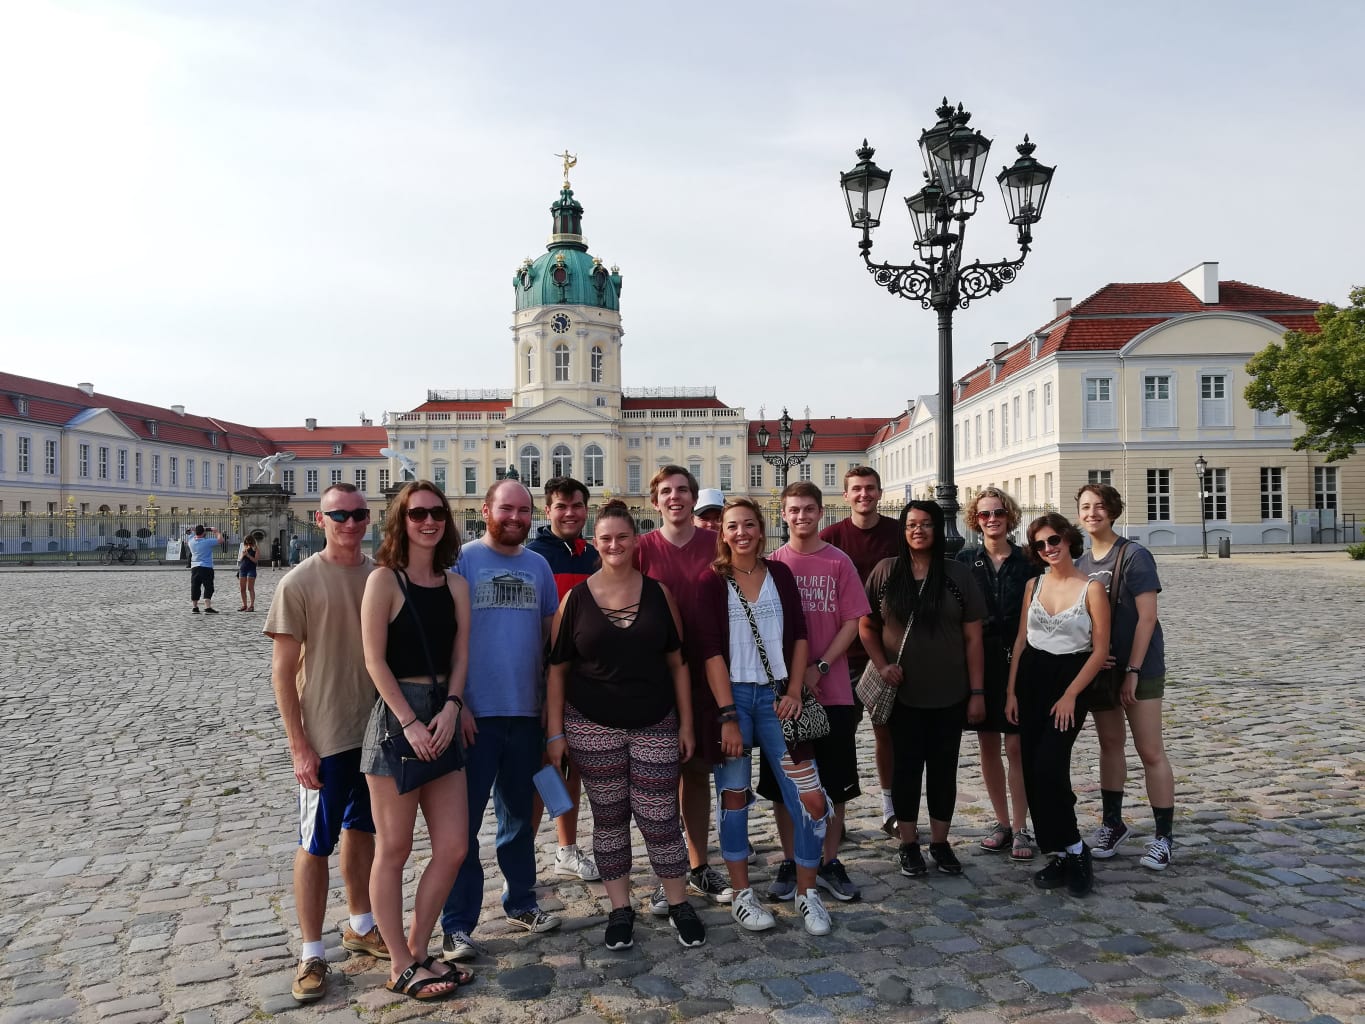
1224	547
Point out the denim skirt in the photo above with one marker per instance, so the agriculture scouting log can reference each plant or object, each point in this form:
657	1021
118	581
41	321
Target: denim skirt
426	702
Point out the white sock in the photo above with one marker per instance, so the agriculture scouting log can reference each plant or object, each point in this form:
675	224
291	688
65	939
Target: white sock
888	810
571	846
362	923
310	950
1076	847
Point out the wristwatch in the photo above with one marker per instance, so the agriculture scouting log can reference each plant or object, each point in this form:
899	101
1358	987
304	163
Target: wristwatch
822	665
1133	668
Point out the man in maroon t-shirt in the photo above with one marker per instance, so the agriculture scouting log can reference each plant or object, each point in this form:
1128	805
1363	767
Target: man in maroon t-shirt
867	537
677	555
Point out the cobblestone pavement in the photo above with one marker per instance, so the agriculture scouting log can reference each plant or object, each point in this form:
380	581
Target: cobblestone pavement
148	824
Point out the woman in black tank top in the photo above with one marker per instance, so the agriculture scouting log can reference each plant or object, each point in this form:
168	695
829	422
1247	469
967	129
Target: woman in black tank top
419	671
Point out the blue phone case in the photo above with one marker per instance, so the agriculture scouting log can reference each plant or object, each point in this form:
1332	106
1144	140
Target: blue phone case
553	793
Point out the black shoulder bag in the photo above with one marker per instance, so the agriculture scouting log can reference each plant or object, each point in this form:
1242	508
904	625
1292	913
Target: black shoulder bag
812	723
1109	683
409	770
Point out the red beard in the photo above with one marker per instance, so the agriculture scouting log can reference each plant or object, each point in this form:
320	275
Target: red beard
508	534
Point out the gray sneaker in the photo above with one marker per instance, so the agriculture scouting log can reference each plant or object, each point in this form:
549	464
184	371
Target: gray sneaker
457	946
783	885
658	902
534	920
834	880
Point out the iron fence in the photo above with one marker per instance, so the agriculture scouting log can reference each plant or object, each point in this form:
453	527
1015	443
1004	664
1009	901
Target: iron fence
155	538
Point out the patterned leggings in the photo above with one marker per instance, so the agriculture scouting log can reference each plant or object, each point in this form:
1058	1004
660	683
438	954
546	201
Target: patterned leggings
629	771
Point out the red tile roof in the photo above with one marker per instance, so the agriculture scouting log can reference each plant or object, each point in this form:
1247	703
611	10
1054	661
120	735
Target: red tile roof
356	442
1117	313
58	404
672	403
471	405
833	434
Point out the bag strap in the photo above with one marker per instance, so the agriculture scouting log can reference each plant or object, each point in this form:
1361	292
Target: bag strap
911	624
1116	580
753	628
417	621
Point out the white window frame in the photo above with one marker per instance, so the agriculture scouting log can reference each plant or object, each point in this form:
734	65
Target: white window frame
634	474
755	476
471	481
310	481
727	477
1158	400
528	460
1326	484
561	461
1100	476
1215	410
1098	395
362	481
830	477
1216	494
1272	494
597	363
1158	495
562	363
1047	408
333	477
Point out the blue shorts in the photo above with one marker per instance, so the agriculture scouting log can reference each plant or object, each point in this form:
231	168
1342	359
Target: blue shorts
342	802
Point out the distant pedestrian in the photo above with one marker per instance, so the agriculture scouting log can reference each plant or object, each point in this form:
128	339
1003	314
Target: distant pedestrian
295	550
276	554
246	574
201	547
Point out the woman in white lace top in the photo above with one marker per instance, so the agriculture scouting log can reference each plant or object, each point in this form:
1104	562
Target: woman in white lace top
1062	643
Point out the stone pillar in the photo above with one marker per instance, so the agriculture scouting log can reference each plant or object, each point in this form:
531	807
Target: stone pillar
264	512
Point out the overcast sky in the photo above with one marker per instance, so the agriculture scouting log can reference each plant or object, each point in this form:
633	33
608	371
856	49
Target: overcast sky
268	211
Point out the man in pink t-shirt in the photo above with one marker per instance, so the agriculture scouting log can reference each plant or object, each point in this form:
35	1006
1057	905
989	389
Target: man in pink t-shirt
833	599
867	537
677	555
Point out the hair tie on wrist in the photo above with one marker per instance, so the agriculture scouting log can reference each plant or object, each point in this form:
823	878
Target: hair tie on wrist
556	736
413	719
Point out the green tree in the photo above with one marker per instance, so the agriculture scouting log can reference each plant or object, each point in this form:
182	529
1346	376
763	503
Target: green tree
1319	377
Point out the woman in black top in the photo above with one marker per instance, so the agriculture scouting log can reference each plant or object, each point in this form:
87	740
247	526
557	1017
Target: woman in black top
619	702
1002	570
420	688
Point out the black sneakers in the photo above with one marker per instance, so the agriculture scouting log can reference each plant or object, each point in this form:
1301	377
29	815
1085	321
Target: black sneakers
912	861
684	919
621	928
1080	872
1054	875
945	859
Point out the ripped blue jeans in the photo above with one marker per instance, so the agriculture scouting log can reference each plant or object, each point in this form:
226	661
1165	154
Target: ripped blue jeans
758	724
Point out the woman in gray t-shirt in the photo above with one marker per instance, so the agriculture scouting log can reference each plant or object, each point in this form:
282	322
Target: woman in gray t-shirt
1137	645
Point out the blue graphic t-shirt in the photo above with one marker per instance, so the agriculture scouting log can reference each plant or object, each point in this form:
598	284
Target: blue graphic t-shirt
509	596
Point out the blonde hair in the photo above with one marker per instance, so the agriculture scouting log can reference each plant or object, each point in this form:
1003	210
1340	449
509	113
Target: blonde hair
1013	513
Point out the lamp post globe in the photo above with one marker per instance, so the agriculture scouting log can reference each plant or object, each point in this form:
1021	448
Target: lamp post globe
954	156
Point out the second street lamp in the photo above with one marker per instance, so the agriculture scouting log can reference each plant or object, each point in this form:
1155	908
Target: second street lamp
954	157
1201	469
784	460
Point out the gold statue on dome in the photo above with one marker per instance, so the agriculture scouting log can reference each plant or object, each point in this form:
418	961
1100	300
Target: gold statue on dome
570	160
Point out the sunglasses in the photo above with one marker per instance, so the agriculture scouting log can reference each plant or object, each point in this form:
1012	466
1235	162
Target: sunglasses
1046	542
992	513
419	514
340	515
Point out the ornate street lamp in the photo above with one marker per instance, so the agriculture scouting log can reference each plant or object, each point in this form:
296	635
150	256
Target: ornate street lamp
954	157
787	458
1201	469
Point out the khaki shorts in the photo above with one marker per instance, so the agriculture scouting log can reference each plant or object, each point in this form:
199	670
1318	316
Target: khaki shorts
1148	688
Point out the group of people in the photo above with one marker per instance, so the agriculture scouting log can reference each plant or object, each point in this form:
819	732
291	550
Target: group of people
645	669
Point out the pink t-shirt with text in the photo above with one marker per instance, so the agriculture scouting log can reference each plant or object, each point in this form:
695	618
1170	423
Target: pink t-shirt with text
831	595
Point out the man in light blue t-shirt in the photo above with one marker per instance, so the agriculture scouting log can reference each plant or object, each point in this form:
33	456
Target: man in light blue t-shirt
202	546
513	601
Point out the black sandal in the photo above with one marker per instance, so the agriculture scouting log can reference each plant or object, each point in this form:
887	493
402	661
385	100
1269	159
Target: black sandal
407	984
448	972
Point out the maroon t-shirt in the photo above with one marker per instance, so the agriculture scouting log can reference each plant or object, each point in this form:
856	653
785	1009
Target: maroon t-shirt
680	569
865	548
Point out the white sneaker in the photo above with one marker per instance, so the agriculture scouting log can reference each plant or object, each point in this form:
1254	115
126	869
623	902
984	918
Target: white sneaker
572	861
749	913
813	912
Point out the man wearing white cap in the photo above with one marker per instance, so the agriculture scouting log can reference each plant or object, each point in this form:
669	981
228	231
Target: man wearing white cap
710	503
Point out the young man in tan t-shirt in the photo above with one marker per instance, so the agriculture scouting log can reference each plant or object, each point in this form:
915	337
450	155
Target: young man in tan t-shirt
324	694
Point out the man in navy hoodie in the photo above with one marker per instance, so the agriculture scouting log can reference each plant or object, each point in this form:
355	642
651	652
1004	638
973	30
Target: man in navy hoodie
572	559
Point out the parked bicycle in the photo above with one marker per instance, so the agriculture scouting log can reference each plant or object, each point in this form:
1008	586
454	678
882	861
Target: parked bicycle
120	553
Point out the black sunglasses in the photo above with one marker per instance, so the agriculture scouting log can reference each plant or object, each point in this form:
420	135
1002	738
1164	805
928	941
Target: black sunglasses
419	514
1046	542
992	513
340	515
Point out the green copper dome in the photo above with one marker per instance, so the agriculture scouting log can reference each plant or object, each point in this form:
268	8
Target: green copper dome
567	275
